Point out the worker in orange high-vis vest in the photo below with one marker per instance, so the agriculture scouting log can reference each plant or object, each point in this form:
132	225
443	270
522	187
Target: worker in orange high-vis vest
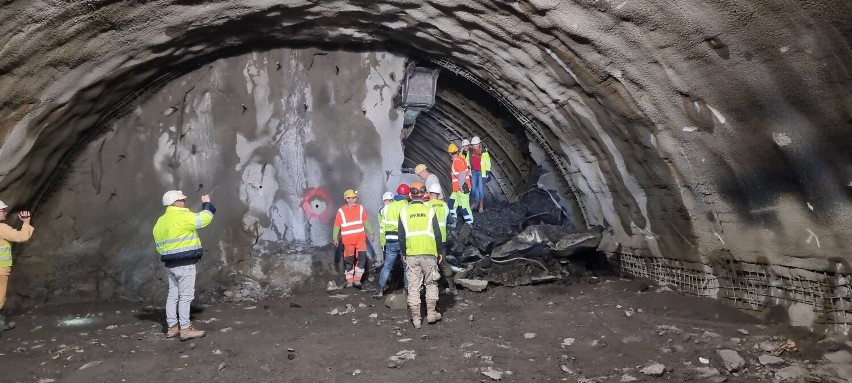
460	176
351	227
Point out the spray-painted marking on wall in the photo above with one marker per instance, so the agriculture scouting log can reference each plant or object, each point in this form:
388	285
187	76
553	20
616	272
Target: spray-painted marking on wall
315	204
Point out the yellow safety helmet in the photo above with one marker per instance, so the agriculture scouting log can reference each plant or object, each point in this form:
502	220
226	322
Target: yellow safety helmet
452	148
350	194
419	168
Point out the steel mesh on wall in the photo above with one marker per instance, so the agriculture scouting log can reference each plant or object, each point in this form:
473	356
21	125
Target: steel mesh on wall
751	286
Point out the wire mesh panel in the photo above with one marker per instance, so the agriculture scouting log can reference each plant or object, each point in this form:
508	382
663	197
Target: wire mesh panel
751	286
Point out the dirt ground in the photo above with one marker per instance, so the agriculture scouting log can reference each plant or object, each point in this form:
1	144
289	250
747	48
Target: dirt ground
602	332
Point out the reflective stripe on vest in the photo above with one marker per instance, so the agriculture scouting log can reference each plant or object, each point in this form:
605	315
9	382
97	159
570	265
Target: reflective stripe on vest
442	211
357	226
455	173
198	223
419	232
6	256
187	243
175	232
485	163
392	216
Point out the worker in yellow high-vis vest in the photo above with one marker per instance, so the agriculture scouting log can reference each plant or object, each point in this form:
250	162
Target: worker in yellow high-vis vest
180	249
422	249
391	233
442	212
8	235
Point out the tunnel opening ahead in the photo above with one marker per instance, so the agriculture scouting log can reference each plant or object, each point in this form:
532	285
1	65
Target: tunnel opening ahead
275	137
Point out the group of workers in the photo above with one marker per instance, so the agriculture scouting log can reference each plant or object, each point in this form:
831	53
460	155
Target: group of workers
412	226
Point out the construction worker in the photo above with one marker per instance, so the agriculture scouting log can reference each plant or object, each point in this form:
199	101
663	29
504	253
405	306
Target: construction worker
442	211
460	198
428	178
465	151
8	235
421	244
391	249
419	185
479	161
349	225
177	242
387	199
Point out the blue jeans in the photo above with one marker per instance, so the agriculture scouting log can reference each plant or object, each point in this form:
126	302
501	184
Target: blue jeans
478	188
391	254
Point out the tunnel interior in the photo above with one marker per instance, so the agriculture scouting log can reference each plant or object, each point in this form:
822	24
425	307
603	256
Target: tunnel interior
713	149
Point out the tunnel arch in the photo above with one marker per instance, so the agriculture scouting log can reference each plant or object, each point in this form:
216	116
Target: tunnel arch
670	120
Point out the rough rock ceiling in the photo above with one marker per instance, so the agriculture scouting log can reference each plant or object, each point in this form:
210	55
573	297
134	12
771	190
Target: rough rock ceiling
689	129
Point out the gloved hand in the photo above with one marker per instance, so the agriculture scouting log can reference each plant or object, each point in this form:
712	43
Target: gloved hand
465	188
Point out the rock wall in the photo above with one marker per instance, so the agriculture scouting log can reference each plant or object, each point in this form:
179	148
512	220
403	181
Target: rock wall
274	137
691	130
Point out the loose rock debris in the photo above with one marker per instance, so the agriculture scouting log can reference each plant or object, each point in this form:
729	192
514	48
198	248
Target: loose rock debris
398	360
519	244
578	330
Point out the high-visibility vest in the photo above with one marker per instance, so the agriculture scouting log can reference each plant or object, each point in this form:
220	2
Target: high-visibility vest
485	163
419	233
5	254
9	235
459	165
391	220
351	220
175	233
382	225
466	155
442	211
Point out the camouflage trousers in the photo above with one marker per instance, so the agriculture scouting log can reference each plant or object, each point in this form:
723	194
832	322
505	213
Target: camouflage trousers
422	269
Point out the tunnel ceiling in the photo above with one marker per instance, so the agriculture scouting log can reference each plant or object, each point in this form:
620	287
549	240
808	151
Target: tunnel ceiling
688	130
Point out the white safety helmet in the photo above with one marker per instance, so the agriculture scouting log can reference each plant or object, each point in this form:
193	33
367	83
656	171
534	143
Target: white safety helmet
465	142
475	140
3	205
387	196
171	196
435	188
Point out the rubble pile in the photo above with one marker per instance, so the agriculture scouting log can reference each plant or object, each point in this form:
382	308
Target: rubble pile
525	243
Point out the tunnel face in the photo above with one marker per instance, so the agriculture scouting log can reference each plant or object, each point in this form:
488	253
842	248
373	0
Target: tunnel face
713	140
275	137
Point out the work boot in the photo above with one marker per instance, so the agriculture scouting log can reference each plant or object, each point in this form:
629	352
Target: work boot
5	324
173	331
356	283
452	287
417	322
348	284
380	292
432	315
191	333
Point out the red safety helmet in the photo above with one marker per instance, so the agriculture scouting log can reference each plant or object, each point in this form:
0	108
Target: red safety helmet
402	189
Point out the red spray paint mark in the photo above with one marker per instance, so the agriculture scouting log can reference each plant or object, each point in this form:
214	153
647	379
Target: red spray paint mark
315	204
